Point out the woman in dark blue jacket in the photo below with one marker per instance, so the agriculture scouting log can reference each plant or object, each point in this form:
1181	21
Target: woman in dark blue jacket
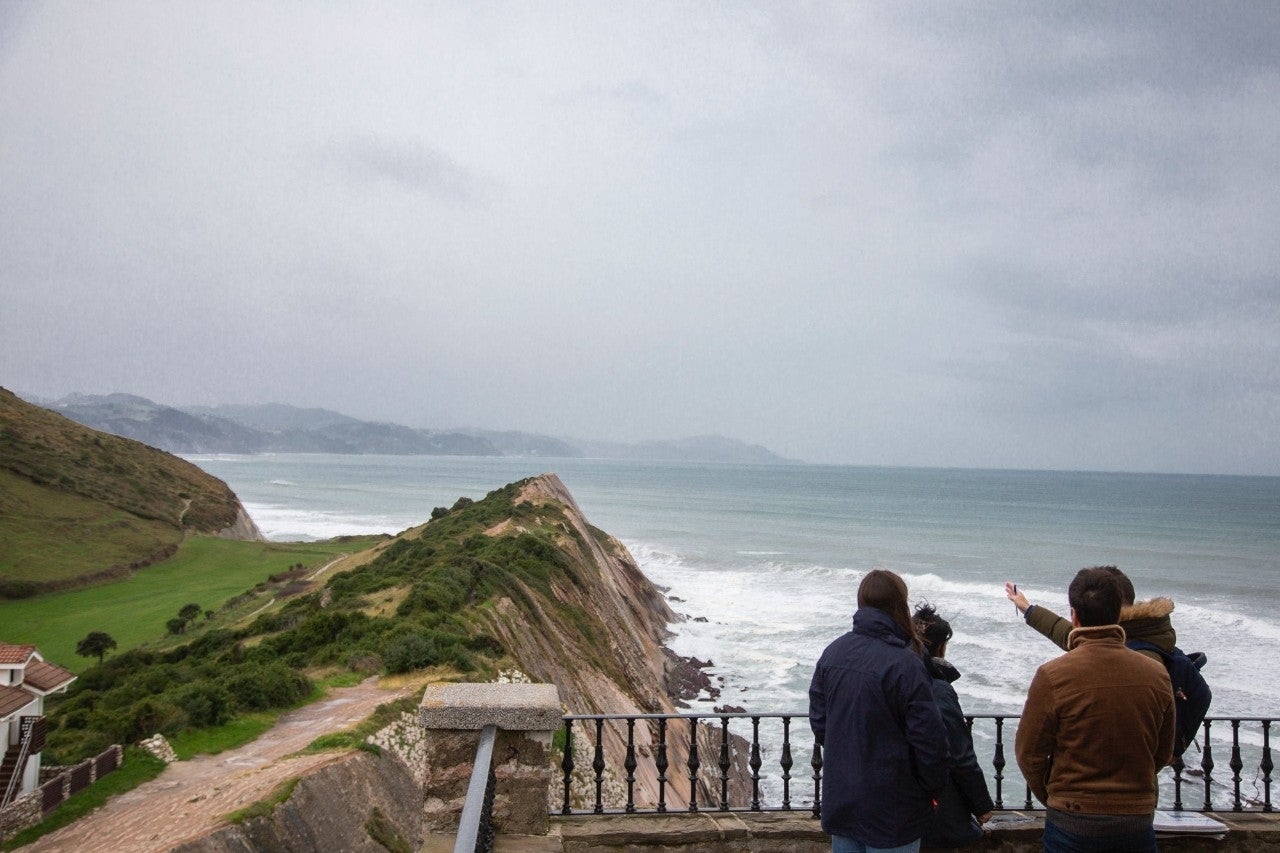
872	710
965	803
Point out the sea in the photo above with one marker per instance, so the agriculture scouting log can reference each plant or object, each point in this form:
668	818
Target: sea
762	562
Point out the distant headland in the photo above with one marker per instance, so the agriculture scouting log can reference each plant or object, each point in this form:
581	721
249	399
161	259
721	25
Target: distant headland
280	428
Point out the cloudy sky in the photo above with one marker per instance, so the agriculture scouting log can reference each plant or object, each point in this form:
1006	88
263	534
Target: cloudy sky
996	235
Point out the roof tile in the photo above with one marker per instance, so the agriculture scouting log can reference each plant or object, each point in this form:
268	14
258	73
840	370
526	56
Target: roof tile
45	676
13	699
15	654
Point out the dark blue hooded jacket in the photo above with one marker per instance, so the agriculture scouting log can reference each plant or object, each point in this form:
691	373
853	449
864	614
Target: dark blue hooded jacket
871	707
965	794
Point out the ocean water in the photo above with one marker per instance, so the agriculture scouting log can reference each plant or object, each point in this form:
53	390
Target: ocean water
764	561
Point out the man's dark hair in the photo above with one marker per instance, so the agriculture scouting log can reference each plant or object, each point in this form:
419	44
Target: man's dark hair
1095	595
1127	595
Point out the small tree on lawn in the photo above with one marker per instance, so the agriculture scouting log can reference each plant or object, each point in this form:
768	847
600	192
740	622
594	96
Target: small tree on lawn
189	612
95	644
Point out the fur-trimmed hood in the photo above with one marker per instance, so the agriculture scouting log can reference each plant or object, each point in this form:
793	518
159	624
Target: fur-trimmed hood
1156	608
1149	621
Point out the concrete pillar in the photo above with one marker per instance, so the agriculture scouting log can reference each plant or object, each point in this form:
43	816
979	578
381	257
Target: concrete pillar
526	716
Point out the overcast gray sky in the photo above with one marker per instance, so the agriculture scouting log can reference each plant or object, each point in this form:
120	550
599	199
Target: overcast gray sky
996	235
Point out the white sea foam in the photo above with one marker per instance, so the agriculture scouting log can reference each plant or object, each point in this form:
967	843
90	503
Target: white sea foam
283	523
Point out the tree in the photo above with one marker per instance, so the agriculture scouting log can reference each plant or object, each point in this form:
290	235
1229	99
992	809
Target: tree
176	626
189	612
95	644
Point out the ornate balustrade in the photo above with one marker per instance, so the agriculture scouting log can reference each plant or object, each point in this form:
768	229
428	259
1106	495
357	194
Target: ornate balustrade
704	783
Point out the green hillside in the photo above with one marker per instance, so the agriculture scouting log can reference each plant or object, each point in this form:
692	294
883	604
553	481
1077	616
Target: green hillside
77	505
206	570
425	599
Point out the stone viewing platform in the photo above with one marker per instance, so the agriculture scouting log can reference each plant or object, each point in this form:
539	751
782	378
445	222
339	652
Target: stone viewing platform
526	779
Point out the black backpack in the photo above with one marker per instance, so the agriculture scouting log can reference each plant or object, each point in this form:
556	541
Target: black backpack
1191	693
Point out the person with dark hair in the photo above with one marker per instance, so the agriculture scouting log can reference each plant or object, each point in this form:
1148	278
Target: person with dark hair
1145	621
965	803
1097	726
872	710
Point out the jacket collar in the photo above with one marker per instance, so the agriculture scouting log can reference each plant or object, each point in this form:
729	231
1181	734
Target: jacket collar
874	622
943	668
1095	634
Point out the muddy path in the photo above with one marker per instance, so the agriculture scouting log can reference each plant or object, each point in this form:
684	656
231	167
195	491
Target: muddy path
192	797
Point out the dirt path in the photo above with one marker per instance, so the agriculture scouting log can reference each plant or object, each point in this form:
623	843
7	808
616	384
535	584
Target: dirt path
191	797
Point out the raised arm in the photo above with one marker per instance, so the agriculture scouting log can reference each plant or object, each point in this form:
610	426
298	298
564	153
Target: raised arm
1039	617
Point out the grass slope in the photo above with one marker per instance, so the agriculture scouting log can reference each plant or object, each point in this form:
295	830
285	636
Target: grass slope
54	536
77	502
206	571
57	452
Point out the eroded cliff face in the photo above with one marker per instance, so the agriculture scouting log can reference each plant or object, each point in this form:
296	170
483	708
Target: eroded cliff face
601	642
243	527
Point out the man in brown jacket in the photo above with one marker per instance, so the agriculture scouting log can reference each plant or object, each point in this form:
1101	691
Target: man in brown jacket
1097	727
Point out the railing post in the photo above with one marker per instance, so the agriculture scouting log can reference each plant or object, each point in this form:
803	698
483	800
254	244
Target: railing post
998	762
1266	765
525	716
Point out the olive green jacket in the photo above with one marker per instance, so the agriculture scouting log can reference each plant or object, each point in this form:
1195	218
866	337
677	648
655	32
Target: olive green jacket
1142	620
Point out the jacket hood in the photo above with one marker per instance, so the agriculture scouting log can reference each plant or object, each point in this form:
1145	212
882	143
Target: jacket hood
876	623
942	668
1156	608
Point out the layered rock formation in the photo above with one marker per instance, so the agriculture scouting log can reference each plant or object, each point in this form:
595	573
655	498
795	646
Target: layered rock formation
627	669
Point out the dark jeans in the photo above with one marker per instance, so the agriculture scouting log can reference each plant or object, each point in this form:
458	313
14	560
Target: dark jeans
1057	840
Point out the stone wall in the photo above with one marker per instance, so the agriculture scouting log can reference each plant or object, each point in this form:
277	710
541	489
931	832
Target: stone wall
453	715
158	745
404	739
23	812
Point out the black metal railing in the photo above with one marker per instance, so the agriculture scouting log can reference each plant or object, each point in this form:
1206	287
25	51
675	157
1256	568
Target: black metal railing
475	828
761	769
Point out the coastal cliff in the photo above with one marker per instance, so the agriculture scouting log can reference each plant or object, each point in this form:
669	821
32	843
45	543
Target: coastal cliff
615	661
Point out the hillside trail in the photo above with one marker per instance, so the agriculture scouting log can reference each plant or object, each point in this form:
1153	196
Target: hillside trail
190	798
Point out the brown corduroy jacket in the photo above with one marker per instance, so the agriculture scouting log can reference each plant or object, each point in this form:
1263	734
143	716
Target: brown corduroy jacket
1097	726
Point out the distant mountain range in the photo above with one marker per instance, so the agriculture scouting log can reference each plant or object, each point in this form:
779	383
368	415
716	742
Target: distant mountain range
279	428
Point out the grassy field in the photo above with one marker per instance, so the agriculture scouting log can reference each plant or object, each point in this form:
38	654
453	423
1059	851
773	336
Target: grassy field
206	571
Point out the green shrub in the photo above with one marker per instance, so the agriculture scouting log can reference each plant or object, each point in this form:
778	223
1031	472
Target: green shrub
257	687
205	704
409	652
149	717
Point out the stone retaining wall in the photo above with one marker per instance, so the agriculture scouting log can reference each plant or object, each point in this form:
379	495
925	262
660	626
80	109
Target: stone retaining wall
406	740
23	812
29	809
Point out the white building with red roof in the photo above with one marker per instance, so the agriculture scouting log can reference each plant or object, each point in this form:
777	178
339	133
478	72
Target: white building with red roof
25	679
